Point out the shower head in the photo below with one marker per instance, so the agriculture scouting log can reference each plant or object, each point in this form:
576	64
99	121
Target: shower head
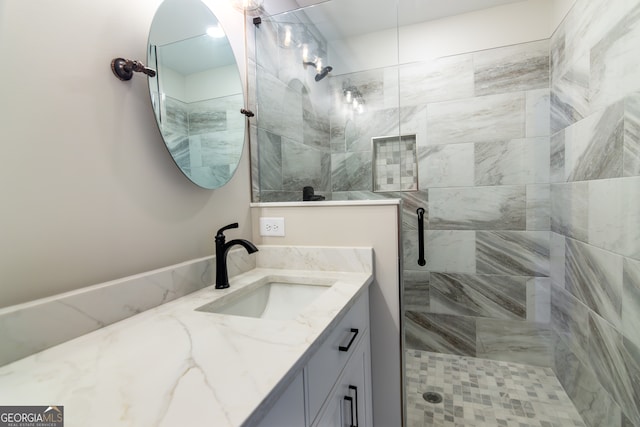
323	73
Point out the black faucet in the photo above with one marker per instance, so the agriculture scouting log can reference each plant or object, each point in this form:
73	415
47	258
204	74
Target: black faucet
222	277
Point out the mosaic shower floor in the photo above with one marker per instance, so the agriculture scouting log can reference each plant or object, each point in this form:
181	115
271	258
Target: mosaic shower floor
480	392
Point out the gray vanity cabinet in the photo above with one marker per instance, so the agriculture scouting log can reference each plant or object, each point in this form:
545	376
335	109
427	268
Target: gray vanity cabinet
349	404
334	388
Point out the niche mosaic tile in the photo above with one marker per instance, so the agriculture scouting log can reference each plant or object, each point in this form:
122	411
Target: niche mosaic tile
395	163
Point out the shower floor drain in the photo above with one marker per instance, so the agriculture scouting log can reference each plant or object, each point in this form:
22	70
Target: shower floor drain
432	397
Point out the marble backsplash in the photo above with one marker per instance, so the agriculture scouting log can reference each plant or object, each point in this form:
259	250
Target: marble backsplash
34	326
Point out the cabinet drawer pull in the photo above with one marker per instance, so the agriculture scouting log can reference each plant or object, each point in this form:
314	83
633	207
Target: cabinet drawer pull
355	390
350	400
354	331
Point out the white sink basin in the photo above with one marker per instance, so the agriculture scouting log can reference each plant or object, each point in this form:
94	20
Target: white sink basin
272	298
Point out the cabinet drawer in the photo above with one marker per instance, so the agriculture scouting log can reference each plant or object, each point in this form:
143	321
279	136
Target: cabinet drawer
289	408
328	362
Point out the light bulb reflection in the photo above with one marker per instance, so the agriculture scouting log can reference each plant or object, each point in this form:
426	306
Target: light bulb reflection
287	36
347	96
215	31
305	53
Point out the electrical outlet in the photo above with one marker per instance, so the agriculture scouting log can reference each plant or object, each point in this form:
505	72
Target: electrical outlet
271	226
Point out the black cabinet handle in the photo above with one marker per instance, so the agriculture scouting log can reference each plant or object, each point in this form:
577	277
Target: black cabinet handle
355	389
354	331
350	400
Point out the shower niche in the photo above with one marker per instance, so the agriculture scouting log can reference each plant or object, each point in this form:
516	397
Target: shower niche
395	163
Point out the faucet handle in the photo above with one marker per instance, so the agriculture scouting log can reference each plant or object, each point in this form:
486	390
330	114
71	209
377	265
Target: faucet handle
226	227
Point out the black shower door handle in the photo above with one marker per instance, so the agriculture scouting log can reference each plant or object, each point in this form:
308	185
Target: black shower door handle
421	260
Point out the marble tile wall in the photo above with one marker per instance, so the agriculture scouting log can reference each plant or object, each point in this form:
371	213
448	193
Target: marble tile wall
482	131
484	146
293	129
595	209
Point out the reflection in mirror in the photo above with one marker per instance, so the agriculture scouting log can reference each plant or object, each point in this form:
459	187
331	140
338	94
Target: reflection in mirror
197	93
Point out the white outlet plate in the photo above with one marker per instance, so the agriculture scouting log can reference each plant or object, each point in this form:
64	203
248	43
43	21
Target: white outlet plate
271	226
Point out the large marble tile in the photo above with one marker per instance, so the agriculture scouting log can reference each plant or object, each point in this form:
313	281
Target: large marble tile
255	163
523	253
570	320
632	135
303	166
539	300
626	422
631	357
416	291
513	68
450	165
478	208
411	202
474	119
180	148
557	259
315	127
611	362
413	121
557	51
539	207
615	70
570	209
594	276
361	128
351	171
217	151
595	405
593	147
270	158
440	333
591	21
631	301
214	115
570	94
500	297
514	341
538	112
175	116
556	152
450	251
279	106
614	215
517	161
437	80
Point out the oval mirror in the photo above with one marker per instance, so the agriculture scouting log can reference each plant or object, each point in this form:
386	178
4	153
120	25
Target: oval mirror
197	92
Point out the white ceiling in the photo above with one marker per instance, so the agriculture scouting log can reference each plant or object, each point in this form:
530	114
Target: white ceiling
347	18
179	29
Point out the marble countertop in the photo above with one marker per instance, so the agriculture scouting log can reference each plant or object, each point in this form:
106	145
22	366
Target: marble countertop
174	366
